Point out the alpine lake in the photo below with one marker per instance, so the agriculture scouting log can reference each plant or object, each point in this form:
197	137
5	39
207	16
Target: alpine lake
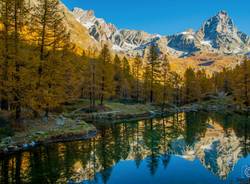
184	148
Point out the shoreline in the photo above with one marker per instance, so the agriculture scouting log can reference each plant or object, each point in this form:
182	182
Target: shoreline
12	149
83	131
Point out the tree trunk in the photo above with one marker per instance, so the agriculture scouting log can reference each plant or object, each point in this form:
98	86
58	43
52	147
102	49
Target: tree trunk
4	99
17	66
102	90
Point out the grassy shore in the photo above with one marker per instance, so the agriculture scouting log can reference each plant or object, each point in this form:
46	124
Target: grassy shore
111	111
33	132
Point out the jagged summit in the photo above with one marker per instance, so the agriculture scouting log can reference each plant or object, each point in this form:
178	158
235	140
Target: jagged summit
223	35
217	34
221	23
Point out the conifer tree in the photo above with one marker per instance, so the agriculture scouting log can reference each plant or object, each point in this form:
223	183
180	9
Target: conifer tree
154	69
90	77
137	71
175	83
191	91
165	74
125	78
241	86
146	82
52	36
117	76
6	17
205	85
20	11
106	81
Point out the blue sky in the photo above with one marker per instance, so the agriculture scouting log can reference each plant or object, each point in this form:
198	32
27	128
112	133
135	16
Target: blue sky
165	16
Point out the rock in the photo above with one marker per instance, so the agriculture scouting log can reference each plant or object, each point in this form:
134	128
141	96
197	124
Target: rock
40	133
60	121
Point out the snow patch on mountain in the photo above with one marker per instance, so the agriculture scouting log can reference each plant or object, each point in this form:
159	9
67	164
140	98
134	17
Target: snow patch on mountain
207	42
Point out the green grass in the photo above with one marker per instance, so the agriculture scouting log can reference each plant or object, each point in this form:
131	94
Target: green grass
35	130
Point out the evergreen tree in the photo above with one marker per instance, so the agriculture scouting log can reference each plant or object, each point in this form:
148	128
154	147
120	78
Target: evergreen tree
153	65
6	17
204	83
137	70
241	86
175	83
125	78
20	13
106	81
191	91
90	78
52	36
118	76
165	73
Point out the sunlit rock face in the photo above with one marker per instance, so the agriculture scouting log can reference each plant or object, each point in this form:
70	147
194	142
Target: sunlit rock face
122	40
223	34
185	41
218	34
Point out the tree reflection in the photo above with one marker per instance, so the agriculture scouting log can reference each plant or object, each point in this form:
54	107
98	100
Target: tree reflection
149	140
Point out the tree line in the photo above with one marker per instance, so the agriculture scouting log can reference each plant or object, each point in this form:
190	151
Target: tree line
40	71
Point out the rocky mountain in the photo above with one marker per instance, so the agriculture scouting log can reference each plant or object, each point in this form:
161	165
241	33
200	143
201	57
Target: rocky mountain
121	40
218	34
222	34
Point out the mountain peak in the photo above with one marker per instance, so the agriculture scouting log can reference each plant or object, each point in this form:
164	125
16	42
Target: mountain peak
221	24
224	18
223	13
217	34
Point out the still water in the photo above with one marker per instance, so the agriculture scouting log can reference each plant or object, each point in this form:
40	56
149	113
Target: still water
195	148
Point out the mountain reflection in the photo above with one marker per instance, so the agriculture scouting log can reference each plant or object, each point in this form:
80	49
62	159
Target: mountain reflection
217	141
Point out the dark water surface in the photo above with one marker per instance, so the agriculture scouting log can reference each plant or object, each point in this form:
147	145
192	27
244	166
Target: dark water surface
191	148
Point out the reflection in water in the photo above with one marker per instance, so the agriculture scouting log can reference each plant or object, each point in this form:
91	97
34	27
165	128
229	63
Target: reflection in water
215	142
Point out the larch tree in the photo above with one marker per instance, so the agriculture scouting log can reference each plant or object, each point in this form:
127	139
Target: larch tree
20	13
154	69
191	88
51	36
118	76
137	73
125	78
204	83
165	66
175	83
106	76
91	74
241	86
6	18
